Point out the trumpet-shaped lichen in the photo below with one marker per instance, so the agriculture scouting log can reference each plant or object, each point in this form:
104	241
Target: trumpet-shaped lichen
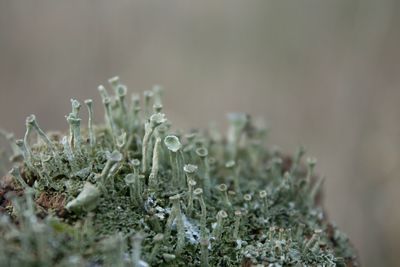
134	192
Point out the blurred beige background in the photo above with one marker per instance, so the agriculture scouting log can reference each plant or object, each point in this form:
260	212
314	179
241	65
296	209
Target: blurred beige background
325	74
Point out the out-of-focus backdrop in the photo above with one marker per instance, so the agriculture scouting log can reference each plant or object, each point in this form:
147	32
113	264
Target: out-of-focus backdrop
325	74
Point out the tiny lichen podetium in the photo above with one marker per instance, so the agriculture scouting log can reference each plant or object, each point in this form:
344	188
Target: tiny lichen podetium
133	192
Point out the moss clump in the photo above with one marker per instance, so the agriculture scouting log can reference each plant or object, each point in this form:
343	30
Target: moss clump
134	192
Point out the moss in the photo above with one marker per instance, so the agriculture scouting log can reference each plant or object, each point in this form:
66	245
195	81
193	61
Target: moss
131	192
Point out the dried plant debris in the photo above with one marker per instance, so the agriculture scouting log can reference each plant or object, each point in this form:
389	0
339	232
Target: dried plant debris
134	192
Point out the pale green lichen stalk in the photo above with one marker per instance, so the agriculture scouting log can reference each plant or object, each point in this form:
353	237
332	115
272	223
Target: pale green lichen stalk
134	192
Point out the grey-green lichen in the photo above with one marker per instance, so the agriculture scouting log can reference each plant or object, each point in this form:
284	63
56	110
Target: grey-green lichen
135	192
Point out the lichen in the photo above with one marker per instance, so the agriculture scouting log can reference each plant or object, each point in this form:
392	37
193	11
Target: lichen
134	192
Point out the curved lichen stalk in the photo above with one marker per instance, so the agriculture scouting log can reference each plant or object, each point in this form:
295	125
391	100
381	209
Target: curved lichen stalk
133	192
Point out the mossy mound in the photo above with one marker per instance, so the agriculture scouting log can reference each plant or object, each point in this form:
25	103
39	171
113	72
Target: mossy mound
134	192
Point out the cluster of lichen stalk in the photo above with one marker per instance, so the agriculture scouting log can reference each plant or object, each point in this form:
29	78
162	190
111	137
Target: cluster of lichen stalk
195	199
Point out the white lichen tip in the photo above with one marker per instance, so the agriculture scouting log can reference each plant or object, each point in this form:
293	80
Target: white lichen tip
192	183
135	162
75	104
263	194
311	161
222	187
103	92
175	197
222	214
114	81
238	119
247	197
129	179
114	156
189	168
198	192
172	142
202	152
31	119
121	90
230	164
158	118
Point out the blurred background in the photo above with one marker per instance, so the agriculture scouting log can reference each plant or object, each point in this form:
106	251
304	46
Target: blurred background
325	74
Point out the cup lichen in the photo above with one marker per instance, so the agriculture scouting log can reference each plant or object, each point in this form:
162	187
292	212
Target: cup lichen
122	193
